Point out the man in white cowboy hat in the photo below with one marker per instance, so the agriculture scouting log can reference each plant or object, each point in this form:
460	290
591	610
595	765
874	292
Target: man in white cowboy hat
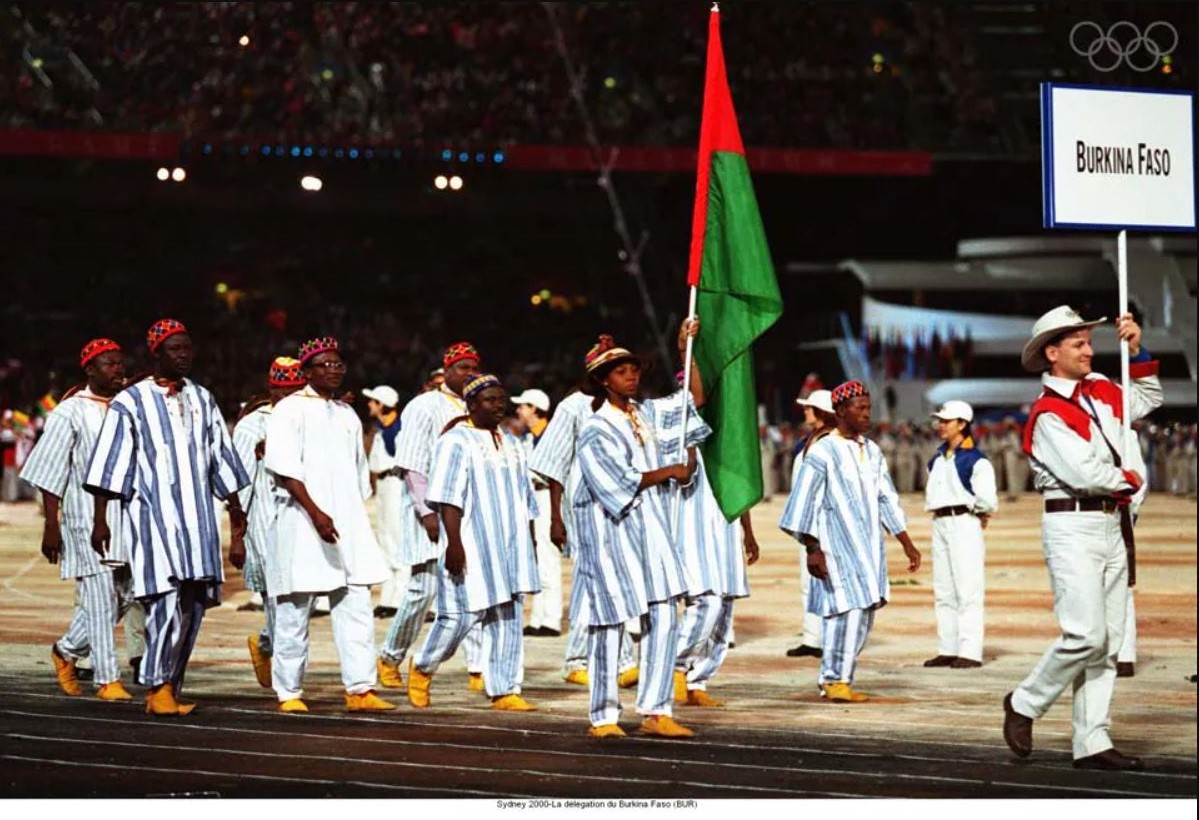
961	495
821	420
1073	439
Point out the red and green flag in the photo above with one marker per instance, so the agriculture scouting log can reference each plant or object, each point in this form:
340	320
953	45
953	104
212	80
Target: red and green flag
738	295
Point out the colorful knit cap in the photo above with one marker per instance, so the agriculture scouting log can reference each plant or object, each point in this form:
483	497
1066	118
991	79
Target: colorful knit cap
846	391
458	352
604	352
478	384
286	372
94	348
161	330
314	347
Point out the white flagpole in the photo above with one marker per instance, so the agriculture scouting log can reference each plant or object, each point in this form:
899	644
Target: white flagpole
1122	278
688	356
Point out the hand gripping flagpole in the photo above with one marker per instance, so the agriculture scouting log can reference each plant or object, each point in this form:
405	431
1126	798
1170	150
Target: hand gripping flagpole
688	358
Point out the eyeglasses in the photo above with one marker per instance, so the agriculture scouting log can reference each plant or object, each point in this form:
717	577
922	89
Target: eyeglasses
334	366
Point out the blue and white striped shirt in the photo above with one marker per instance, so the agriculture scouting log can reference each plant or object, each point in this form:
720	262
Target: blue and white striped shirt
258	498
167	458
554	456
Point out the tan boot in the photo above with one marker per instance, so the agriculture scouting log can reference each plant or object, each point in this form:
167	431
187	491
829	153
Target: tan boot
680	686
113	691
64	670
698	697
160	700
512	703
664	726
607	730
261	662
628	678
579	677
294	706
367	702
840	692
475	683
418	686
389	675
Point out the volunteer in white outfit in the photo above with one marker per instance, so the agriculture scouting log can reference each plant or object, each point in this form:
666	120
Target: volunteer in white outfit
821	420
391	500
323	543
1071	439
545	614
961	495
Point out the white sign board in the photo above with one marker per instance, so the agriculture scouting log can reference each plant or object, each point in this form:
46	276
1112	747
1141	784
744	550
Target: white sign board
1117	158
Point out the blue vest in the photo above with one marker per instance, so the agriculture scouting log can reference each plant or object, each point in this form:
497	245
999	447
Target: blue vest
964	459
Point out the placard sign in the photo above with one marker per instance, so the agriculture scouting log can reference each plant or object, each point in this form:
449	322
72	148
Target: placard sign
1117	158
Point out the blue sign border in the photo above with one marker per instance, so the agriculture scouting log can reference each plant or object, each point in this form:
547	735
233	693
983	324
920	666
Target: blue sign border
1048	213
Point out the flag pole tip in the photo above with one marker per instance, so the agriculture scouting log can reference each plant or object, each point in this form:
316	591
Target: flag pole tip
716	7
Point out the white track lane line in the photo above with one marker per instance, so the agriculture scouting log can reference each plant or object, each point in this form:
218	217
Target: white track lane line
8	582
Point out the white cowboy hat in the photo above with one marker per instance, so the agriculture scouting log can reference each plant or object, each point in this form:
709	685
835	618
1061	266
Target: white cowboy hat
1057	321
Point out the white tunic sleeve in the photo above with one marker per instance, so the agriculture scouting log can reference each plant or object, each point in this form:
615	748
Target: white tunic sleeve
364	472
413	445
113	462
48	466
807	497
246	435
611	478
982	480
448	480
284	441
226	473
555	452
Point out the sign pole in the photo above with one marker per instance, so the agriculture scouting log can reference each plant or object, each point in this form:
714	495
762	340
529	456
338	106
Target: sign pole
1122	278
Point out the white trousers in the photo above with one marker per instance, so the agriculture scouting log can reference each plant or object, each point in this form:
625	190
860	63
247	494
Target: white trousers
655	682
101	600
704	638
395	587
1088	570
353	635
812	626
959	584
1128	647
266	635
546	610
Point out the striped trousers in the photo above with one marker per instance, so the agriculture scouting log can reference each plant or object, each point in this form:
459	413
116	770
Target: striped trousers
172	625
577	639
410	617
655	685
704	638
353	635
844	636
101	601
502	649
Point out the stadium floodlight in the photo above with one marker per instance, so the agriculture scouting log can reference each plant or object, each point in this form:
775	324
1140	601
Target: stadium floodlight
163	174
179	175
311	183
440	182
243	41
455	183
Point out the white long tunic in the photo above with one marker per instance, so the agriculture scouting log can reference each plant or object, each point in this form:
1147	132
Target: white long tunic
555	459
57	466
258	499
626	555
318	441
421	424
845	498
492	488
168	458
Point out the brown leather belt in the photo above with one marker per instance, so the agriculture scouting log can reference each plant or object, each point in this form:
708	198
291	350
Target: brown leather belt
941	512
1057	505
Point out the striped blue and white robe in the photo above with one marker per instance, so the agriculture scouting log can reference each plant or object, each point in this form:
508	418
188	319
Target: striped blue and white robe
554	456
493	489
421	423
258	498
57	465
845	498
168	458
710	545
626	557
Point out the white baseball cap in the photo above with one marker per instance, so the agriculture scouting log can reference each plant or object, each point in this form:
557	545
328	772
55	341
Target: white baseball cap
1059	320
386	396
818	400
951	410
535	397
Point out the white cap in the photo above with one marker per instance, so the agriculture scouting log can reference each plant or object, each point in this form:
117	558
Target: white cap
1059	320
386	396
951	410
535	397
818	400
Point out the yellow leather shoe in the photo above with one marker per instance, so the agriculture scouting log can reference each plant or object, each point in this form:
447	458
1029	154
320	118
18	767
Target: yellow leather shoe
261	661
113	691
160	700
840	692
578	677
698	697
607	730
64	670
474	682
367	702
663	726
389	675
418	686
512	703
294	705
628	678
680	686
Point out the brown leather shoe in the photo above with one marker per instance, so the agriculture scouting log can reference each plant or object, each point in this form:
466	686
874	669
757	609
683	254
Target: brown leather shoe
1110	761
965	663
1125	669
940	660
1017	729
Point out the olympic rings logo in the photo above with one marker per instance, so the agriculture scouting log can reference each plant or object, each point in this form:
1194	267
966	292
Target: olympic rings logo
1123	42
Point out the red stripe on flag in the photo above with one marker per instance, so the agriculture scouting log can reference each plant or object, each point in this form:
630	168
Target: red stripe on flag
718	131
